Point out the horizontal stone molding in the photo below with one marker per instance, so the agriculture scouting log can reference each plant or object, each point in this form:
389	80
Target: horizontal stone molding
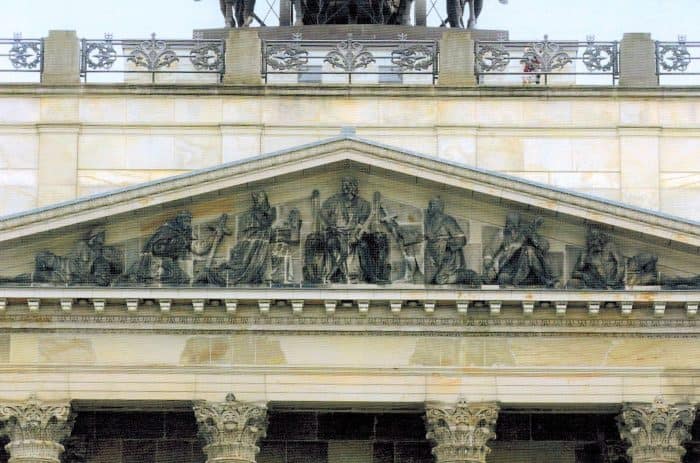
293	300
602	389
18	89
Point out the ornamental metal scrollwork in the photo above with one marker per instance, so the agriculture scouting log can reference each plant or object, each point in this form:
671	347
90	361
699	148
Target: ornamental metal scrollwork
674	57
492	57
207	56
25	54
286	57
349	55
416	57
599	57
153	54
545	56
100	55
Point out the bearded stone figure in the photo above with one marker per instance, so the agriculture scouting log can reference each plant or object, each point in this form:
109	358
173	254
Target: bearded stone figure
249	261
519	257
600	266
444	248
344	214
158	262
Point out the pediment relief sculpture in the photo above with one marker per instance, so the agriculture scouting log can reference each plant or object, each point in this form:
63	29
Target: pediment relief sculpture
344	236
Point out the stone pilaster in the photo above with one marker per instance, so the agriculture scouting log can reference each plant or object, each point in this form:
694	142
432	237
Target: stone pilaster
460	432
35	429
656	431
231	429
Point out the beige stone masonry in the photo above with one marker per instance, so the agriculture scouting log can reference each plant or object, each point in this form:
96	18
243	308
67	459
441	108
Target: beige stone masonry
624	144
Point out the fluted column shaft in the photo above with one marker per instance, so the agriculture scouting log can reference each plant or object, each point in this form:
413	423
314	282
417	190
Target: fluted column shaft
656	431
460	432
231	429
35	429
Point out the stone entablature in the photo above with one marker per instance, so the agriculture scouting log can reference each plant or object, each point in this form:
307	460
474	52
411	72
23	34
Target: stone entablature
359	300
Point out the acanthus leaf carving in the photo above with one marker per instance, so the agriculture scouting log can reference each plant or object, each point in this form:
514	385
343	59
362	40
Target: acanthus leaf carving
35	429
656	431
461	432
231	429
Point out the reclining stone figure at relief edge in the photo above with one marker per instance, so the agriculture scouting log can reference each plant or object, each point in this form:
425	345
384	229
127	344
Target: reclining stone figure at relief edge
89	262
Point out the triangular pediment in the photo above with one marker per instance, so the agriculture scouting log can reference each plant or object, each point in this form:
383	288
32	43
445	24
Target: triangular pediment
398	182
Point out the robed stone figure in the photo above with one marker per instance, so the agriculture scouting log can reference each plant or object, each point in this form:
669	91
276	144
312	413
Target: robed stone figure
444	261
344	215
89	262
249	260
519	256
600	266
158	262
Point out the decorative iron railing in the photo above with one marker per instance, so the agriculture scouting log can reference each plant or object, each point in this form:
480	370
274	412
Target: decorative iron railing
546	62
350	61
153	58
19	55
679	58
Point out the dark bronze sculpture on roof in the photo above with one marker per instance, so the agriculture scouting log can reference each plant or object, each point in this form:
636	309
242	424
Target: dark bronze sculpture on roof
455	12
241	13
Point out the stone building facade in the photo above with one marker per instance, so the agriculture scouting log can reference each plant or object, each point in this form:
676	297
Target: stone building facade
238	272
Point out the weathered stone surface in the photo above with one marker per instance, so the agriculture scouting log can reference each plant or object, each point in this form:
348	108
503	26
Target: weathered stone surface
231	429
460	433
35	429
656	431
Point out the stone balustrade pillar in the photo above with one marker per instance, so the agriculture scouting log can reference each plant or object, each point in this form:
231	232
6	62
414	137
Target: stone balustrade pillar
35	429
456	59
460	432
61	58
231	429
638	61
656	431
243	57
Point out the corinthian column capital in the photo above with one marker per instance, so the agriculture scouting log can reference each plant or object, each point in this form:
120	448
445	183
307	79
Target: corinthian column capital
656	431
35	429
460	432
231	429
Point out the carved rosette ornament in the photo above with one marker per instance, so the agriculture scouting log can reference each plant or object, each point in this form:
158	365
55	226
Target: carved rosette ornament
231	429
656	431
35	429
460	433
